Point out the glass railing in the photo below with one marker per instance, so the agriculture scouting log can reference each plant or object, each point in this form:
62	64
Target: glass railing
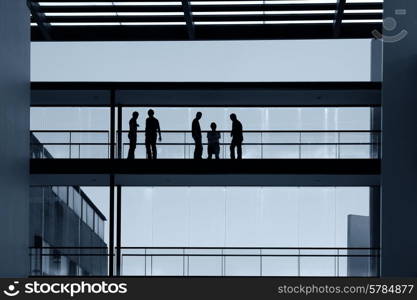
356	144
219	262
68	261
333	262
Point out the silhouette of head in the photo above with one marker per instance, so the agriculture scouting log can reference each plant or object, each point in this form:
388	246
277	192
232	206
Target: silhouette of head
233	117
213	126
151	112
135	115
199	115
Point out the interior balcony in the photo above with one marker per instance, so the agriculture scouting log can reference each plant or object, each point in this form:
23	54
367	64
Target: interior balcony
269	158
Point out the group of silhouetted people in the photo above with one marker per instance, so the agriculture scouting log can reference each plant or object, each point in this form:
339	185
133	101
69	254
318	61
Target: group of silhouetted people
151	133
153	129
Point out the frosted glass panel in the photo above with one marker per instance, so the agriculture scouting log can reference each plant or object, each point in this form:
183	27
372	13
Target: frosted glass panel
247	217
207	217
258	118
170	216
240	216
317	217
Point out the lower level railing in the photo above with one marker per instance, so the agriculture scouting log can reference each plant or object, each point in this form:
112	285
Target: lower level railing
218	262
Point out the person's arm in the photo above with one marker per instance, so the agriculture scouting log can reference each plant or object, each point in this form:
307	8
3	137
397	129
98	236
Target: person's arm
193	130
159	130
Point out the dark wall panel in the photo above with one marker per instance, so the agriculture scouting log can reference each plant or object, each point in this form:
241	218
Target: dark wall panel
14	133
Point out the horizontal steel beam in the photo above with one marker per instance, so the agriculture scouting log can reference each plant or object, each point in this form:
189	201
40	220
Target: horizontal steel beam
207	32
207	167
208	94
208	8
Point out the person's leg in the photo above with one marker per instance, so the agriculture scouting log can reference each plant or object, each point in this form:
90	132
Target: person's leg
217	152
148	149
132	148
130	154
154	151
239	150
232	149
210	152
200	150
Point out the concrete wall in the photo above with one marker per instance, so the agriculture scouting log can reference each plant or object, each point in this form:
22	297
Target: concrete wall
14	133
399	163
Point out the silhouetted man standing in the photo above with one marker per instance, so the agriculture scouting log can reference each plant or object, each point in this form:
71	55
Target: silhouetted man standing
151	132
237	137
196	133
133	135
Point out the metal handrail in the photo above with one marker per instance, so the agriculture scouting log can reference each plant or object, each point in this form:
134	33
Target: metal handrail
149	254
250	131
371	139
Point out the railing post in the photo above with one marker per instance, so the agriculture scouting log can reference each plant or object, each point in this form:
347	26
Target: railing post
222	262
299	262
262	146
185	145
183	261
260	262
146	258
337	263
70	142
338	146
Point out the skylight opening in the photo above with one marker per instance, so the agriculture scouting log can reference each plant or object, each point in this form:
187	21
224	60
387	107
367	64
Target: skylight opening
110	14
112	3
152	23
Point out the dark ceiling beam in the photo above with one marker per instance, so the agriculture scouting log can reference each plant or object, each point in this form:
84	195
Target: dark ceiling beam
215	18
188	19
337	24
208	8
207	32
40	19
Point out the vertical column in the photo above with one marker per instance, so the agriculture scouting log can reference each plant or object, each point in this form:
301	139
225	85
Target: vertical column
112	123
119	231
399	140
376	132
376	60
111	227
14	132
119	132
375	228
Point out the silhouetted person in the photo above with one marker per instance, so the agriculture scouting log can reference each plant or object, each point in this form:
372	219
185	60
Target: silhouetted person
151	132
237	137
213	138
196	133
133	135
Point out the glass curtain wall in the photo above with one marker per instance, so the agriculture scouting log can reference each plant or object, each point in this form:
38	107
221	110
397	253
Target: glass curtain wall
271	132
70	132
68	230
245	223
